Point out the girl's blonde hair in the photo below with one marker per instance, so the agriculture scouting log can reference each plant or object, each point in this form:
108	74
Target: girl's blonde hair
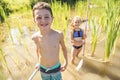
72	22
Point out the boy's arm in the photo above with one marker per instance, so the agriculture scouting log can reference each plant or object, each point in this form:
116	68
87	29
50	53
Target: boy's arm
37	48
37	51
64	49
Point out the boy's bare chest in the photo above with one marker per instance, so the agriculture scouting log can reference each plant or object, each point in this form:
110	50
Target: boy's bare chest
46	42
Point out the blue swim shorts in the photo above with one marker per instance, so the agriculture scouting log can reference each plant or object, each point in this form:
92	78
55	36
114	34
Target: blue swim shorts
52	73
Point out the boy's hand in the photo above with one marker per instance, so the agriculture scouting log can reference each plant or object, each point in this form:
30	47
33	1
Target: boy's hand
63	67
37	66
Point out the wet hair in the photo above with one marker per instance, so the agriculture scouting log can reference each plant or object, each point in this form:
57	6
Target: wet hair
42	5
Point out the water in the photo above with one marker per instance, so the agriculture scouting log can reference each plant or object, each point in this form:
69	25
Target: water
17	36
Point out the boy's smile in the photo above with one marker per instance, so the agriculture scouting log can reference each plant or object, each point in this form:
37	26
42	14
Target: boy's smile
43	18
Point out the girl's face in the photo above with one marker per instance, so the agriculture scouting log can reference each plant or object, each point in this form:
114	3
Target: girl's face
76	22
43	18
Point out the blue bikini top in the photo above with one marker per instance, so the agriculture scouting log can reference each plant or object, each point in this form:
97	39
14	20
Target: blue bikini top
78	33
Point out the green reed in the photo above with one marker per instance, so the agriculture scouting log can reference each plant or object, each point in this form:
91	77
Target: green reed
15	59
2	74
95	33
61	14
4	62
113	26
2	53
2	15
107	15
81	9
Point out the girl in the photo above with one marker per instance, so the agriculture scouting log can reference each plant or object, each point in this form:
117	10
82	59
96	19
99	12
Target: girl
77	37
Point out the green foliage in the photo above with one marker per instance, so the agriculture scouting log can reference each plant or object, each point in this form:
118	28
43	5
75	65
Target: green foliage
3	30
80	9
107	15
11	6
32	2
4	4
61	13
2	61
95	31
72	3
113	28
2	15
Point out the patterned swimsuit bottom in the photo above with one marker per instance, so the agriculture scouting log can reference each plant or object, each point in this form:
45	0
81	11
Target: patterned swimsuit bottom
52	73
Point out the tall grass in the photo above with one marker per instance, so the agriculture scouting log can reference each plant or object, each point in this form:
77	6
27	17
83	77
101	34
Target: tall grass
95	33
62	13
107	15
15	59
4	62
81	9
2	29
61	16
2	74
14	55
2	15
112	28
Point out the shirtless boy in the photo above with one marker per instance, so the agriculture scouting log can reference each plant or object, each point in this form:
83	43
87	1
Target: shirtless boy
48	42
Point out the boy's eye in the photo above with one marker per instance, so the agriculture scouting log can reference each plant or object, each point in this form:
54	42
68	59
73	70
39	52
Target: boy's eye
38	17
46	17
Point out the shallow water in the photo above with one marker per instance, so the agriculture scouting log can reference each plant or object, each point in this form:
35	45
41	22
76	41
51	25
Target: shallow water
22	64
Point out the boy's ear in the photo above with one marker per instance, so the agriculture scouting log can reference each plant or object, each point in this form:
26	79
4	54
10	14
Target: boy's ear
34	19
52	18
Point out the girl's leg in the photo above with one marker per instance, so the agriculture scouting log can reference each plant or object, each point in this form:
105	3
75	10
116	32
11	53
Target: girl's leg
78	52
73	55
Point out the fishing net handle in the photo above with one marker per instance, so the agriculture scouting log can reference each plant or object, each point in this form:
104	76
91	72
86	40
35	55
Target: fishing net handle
88	3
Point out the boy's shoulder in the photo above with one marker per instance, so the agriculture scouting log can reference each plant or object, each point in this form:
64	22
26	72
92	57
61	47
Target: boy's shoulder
58	31
59	34
35	35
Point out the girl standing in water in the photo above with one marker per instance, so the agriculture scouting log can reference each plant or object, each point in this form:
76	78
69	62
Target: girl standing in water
77	37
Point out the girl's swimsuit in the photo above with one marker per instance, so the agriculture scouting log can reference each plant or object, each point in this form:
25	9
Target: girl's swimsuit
76	35
52	73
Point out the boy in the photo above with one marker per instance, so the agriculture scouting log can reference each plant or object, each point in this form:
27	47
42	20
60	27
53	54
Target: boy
47	42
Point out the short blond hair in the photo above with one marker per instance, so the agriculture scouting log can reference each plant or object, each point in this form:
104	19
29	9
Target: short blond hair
42	5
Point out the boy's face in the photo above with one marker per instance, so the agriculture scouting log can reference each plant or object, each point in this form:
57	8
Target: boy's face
43	18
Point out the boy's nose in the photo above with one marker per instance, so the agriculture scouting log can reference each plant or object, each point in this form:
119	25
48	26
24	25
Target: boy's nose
43	20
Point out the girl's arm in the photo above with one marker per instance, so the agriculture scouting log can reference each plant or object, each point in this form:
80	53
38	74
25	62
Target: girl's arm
84	34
